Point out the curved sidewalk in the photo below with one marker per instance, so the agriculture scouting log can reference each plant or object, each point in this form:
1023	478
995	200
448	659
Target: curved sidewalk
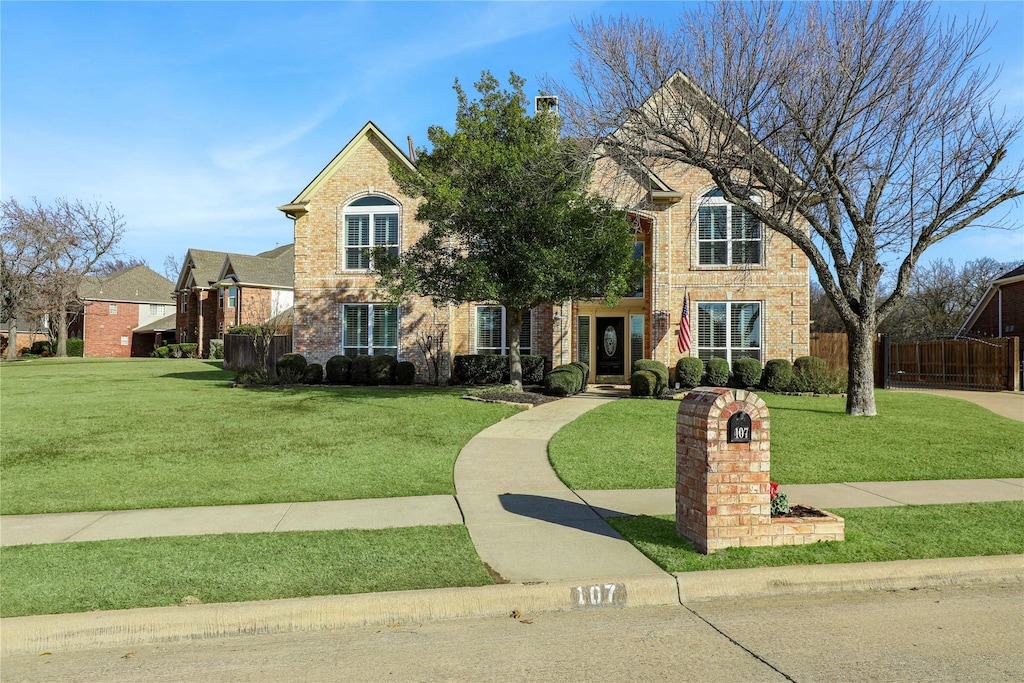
525	523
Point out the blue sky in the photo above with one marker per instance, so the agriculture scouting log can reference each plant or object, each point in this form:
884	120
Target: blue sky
197	119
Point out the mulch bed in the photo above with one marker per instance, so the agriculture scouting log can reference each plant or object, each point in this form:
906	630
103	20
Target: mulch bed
803	512
499	396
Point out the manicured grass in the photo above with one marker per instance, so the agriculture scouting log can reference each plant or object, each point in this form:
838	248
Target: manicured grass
150	572
872	535
631	443
110	435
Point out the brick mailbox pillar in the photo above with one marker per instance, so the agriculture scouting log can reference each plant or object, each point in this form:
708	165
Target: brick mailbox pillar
723	458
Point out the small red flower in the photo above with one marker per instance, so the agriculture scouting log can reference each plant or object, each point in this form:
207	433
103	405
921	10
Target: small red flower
773	489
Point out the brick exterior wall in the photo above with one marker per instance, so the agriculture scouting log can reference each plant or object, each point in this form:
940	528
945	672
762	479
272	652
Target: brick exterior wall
322	286
987	324
722	489
103	330
189	327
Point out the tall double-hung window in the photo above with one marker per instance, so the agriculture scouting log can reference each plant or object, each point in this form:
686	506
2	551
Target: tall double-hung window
728	330
727	235
369	329
492	332
367	223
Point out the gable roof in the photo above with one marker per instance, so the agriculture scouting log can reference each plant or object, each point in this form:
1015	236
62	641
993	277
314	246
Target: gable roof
297	206
272	268
161	325
1011	276
139	284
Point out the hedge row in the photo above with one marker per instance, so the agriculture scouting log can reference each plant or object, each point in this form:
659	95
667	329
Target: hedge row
479	369
808	374
369	370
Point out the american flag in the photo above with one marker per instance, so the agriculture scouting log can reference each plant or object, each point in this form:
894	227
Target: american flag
684	326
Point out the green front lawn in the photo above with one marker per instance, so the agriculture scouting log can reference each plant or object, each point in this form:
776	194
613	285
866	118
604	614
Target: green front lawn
152	572
631	443
872	535
87	434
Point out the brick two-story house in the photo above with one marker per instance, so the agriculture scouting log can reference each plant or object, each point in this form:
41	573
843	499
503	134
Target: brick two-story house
216	290
747	289
125	313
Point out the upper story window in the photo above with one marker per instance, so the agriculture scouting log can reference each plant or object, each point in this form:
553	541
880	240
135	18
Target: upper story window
368	222
727	235
638	254
112	309
158	309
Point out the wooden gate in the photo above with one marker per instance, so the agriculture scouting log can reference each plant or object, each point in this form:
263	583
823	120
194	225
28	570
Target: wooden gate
983	364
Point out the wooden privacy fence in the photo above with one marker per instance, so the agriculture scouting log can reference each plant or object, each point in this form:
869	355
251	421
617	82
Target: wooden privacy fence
986	364
830	347
239	351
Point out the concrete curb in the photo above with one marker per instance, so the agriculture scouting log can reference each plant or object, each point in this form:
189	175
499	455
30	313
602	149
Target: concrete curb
835	578
126	628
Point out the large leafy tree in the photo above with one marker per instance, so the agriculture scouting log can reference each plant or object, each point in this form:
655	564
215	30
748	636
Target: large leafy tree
871	125
510	218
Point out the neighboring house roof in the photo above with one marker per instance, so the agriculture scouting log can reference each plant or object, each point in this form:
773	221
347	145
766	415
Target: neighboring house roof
162	325
207	269
139	284
1015	275
274	269
297	207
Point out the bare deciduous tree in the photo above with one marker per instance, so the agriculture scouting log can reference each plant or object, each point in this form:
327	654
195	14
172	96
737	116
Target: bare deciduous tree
172	267
23	257
871	127
114	264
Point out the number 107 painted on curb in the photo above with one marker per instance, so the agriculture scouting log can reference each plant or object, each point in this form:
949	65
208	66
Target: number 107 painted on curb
600	595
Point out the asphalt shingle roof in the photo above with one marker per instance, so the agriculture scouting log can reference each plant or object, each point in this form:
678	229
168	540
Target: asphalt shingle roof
138	284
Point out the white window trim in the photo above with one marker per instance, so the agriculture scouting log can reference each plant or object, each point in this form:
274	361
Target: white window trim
504	348
371	211
111	309
370	348
729	348
704	201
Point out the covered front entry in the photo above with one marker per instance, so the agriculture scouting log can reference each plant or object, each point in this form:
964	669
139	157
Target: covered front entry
610	347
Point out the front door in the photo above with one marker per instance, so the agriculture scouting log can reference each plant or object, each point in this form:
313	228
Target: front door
610	347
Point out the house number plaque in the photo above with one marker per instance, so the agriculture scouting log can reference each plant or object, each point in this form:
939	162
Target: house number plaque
739	428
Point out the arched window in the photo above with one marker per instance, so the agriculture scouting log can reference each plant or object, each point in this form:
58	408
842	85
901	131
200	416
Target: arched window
368	222
727	235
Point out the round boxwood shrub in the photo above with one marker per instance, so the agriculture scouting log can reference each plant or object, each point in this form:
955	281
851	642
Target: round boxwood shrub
382	369
689	371
659	370
361	369
75	347
716	374
810	374
777	375
161	352
643	383
339	370
584	373
563	380
746	372
314	374
291	368
405	373
533	369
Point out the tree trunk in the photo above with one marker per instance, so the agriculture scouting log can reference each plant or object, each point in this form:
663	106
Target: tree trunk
860	394
62	333
12	339
514	321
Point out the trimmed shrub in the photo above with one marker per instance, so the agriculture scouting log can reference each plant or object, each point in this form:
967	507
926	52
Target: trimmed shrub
563	381
75	347
161	352
251	375
689	370
188	350
382	369
584	373
291	368
659	370
339	370
38	348
533	369
361	369
643	383
810	374
777	375
716	374
405	373
217	349
314	374
746	372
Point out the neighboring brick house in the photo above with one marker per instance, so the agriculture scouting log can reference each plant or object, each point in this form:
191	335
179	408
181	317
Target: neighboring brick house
1000	313
216	290
125	313
748	291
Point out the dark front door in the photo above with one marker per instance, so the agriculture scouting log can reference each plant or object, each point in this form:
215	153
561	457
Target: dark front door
610	347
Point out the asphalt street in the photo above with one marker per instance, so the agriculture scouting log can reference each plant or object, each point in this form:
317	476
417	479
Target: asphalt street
930	634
